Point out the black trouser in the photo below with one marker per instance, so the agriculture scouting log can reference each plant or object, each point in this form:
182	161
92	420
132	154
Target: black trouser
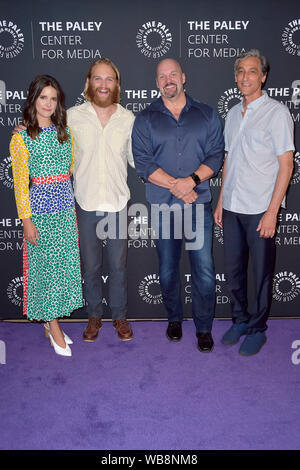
241	240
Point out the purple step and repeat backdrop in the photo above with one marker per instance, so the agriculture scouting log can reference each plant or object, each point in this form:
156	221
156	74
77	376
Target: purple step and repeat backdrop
62	38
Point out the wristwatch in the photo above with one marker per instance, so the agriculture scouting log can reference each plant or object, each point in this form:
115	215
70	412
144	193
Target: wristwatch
195	178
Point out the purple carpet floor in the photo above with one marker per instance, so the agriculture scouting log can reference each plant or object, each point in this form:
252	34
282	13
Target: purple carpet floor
148	393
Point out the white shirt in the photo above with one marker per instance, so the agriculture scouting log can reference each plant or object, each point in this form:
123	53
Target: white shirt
101	156
253	143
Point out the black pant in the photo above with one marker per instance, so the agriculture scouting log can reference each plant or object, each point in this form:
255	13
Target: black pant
241	240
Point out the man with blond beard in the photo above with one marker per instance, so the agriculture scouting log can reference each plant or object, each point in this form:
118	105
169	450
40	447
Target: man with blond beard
102	148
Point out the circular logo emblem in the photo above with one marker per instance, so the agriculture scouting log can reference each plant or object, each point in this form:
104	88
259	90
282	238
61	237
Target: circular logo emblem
286	286
149	289
290	37
230	97
11	39
6	173
80	100
219	234
154	39
15	291
296	175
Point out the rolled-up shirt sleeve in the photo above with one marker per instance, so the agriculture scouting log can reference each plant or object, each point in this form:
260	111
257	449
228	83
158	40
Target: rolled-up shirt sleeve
142	151
214	150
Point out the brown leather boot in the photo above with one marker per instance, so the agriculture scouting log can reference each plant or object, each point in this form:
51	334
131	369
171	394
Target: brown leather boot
123	329
93	327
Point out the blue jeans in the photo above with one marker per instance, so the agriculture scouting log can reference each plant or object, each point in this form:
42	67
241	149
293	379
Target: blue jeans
241	240
202	268
91	254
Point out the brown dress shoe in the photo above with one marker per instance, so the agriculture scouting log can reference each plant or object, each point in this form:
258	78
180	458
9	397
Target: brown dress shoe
123	329
93	327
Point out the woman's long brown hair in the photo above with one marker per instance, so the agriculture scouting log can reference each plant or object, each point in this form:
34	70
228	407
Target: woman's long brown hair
59	117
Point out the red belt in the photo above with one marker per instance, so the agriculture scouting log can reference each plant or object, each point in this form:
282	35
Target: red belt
50	179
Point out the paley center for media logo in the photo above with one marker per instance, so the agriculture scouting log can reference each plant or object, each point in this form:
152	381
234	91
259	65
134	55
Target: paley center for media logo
154	39
67	40
15	291
11	39
288	37
80	99
286	286
296	174
6	172
218	232
11	102
227	100
149	289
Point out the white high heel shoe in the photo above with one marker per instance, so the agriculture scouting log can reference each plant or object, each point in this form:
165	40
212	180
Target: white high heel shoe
47	332
58	349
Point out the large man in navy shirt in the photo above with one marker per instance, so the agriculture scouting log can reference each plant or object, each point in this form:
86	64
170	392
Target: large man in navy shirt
177	147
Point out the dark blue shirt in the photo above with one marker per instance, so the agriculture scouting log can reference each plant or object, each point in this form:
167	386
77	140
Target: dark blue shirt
178	147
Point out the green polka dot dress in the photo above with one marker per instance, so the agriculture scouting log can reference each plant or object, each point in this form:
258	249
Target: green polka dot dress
51	270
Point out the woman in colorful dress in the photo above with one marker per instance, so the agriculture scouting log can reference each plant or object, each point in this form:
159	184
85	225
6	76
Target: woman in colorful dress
42	159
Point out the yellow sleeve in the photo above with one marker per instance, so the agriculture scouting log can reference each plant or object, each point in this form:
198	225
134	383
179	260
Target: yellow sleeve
19	157
72	146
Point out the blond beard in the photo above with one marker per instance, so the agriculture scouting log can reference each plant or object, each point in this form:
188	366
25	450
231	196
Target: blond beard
111	98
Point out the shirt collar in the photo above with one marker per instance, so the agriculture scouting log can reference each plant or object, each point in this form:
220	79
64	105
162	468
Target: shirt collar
256	103
90	108
160	106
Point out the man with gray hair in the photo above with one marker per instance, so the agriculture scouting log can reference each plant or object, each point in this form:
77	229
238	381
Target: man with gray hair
257	170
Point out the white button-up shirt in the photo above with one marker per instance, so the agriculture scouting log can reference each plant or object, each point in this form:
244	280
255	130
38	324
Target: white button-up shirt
101	156
253	143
